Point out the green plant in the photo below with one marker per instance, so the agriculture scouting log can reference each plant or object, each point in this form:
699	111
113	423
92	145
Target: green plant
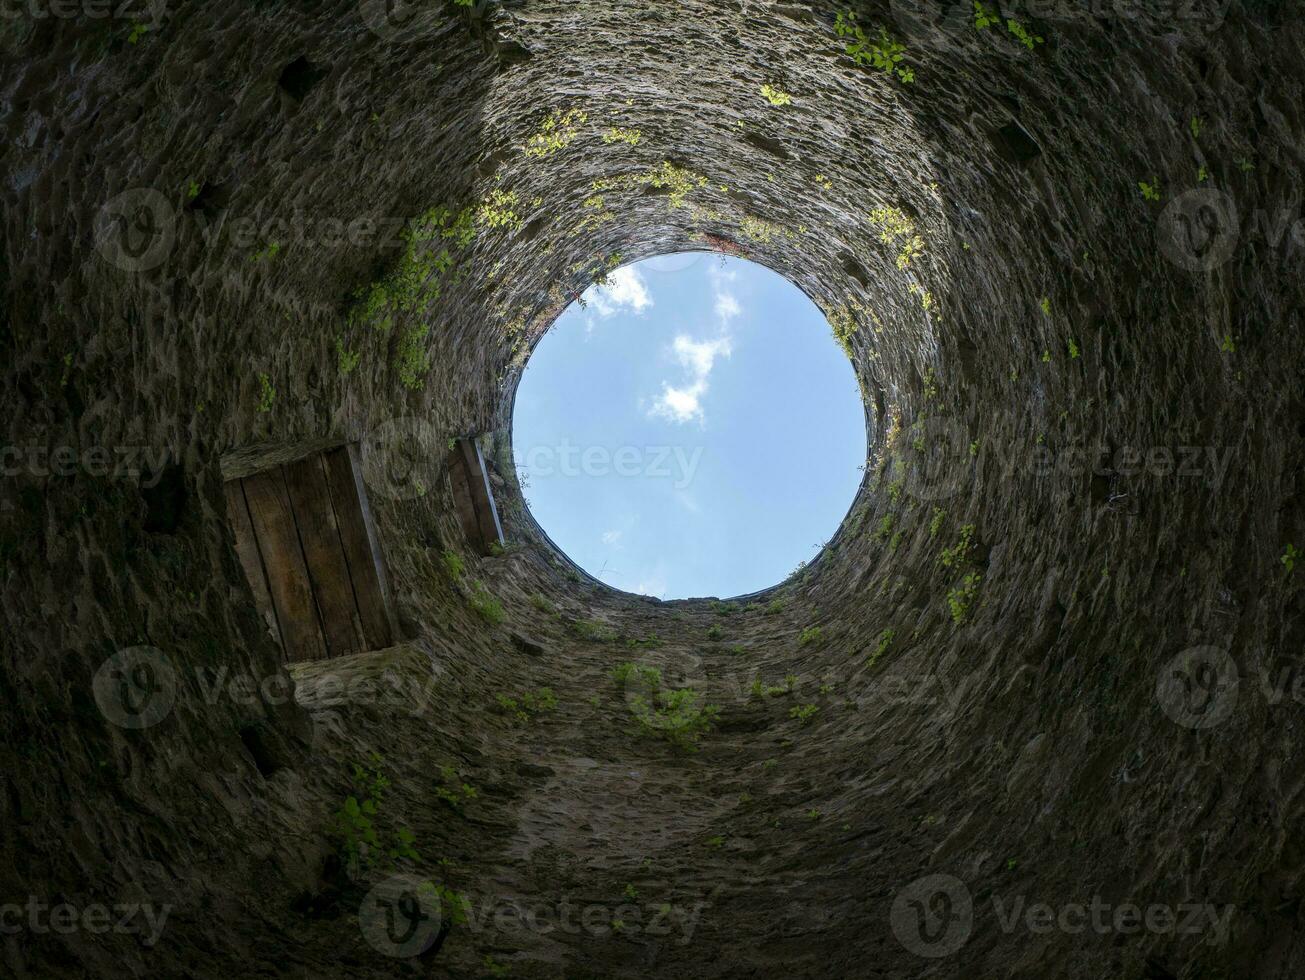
935	525
896	228
359	827
542	604
1151	191
491	966
803	713
983	17
776	96
528	706
1289	557
763	690
960	552
454	791
724	608
413	360
930	384
268	252
715	633
1196	125
1228	345
267	394
1073	349
960	599
415	281
556	132
345	360
810	635
716	841
882	644
813	813
595	632
616	134
774	607
648	642
453	564
884	53
1023	35
672	714
738	649
885	527
489	608
1045	305
630	892
138	31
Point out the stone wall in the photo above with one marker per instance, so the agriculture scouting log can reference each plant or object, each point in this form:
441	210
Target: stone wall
1036	369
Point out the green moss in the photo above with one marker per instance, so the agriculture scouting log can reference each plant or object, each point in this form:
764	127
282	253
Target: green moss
960	599
453	564
486	606
556	132
345	360
895	228
267	394
413	359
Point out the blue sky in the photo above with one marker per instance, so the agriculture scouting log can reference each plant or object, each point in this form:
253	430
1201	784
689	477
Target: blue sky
695	431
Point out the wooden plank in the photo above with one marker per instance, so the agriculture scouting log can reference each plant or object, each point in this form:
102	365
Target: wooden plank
486	531
247	550
491	532
328	570
371	586
460	484
273	521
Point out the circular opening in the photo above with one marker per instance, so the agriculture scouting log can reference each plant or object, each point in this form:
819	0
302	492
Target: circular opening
689	427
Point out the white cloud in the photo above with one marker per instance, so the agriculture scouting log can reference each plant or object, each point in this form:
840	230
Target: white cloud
680	404
683	403
726	303
611	537
625	290
727	307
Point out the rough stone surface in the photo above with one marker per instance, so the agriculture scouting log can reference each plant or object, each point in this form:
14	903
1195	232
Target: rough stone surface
1022	750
